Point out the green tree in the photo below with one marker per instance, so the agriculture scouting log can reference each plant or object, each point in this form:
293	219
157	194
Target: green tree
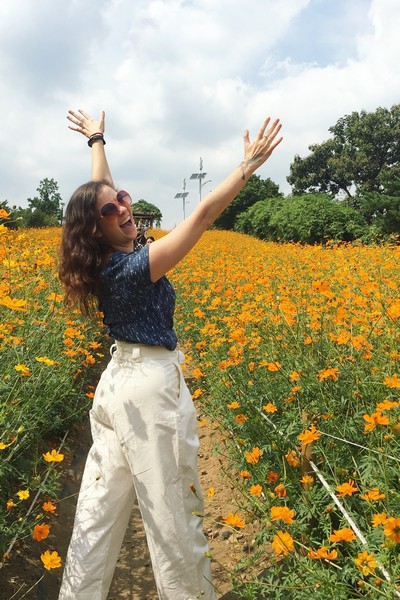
315	219
364	149
255	189
256	220
48	203
146	207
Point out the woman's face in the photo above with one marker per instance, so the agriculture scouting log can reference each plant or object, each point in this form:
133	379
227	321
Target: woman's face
117	226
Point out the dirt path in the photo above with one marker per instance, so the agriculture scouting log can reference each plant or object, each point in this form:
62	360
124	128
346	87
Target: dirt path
133	578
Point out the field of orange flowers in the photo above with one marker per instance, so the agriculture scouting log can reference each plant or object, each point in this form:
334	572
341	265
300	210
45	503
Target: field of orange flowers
47	359
294	353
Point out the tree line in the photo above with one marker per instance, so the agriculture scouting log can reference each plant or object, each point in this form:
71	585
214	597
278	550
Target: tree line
347	188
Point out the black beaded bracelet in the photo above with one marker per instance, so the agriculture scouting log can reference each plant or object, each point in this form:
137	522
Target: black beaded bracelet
96	136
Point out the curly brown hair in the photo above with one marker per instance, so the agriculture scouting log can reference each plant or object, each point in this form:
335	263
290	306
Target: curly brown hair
81	251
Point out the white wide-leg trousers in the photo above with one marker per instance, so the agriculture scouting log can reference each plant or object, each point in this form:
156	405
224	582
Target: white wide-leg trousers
145	446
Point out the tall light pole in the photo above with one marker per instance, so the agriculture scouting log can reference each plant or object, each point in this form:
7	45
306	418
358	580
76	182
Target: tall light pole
200	176
183	196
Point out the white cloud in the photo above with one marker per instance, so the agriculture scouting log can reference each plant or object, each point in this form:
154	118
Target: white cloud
180	80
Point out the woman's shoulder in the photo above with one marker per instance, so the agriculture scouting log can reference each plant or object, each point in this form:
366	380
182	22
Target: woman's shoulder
126	263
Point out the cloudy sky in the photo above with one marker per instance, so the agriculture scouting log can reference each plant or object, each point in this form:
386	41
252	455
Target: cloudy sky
180	80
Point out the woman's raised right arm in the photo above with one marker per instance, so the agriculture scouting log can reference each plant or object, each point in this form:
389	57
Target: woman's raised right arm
88	126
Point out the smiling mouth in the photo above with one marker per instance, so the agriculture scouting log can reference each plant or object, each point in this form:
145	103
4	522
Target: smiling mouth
127	223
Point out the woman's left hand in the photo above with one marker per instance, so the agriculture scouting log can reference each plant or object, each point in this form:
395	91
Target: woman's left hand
84	123
258	151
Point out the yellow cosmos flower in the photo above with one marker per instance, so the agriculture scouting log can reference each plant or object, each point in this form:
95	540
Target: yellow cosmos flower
23	494
53	456
50	560
45	360
23	370
14	303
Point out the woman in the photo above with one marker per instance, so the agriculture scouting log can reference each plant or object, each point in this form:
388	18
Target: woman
143	420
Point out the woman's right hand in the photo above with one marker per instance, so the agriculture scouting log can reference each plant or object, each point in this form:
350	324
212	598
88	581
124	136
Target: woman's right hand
84	123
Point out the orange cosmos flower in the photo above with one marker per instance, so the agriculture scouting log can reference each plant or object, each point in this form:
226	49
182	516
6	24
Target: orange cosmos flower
372	495
307	479
234	520
241	418
10	504
233	404
322	553
53	297
50	560
245	474
386	405
309	436
197	373
376	418
391	529
270	408
253	456
49	507
342	535
282	513
283	543
41	532
392	382
255	490
346	489
294	376
53	456
272	476
379	519
329	373
273	366
280	491
365	563
292	458
4	214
